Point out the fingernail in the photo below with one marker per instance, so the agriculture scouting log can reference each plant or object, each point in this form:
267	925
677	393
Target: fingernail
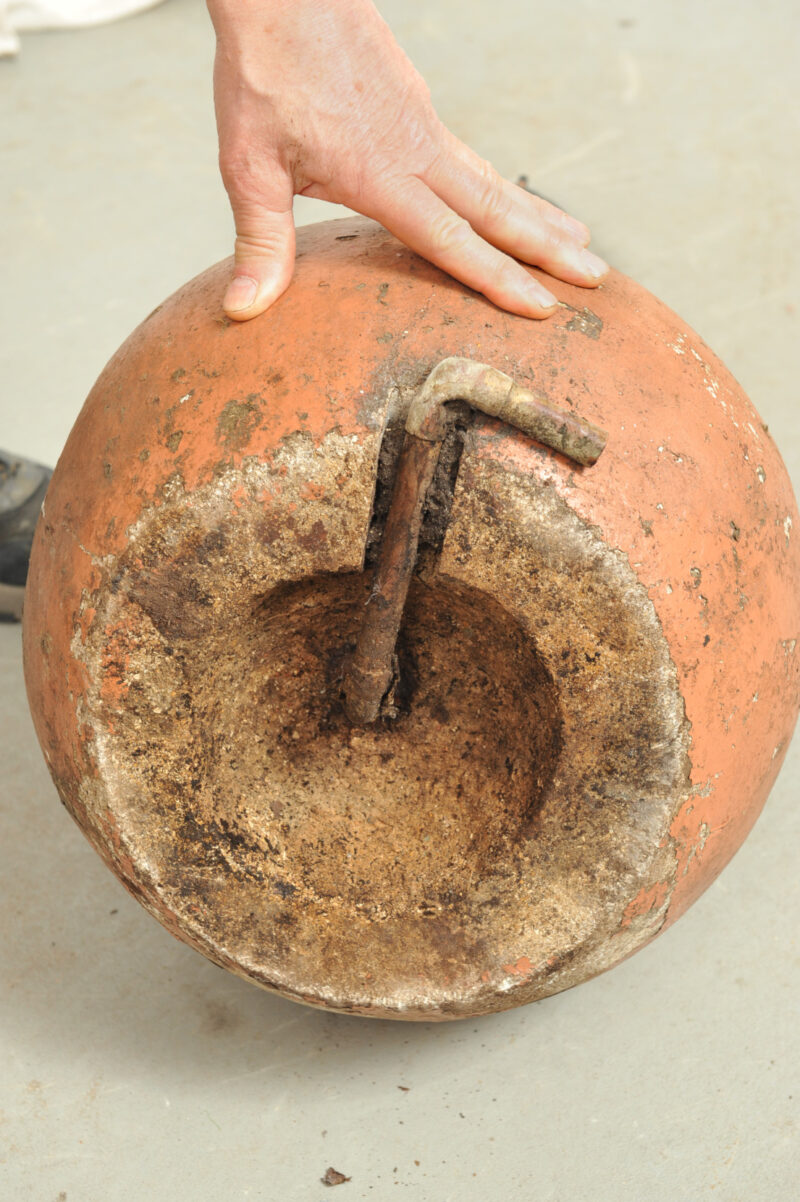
241	294
592	264
533	291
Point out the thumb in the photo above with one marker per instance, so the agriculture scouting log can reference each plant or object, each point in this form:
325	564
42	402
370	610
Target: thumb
263	261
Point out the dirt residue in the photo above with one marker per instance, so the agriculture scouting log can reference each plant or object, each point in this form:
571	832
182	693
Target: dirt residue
478	849
259	775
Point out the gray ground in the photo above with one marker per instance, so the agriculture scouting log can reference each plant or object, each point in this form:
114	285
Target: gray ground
132	1068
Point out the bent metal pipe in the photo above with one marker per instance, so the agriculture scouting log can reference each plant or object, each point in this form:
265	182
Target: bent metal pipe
372	667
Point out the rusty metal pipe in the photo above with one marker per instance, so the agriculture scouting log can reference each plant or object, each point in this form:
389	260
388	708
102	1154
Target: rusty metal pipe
496	394
372	667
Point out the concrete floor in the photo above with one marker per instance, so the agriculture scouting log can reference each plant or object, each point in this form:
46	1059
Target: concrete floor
132	1068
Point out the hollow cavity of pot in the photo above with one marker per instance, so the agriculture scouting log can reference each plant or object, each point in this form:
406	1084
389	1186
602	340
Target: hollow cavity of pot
408	814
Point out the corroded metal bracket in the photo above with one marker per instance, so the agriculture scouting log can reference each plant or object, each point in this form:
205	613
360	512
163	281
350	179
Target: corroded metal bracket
369	673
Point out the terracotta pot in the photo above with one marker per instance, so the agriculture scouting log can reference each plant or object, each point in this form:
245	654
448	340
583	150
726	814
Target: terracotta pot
597	675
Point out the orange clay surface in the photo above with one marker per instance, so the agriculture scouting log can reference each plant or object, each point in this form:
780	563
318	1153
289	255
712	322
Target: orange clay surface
690	487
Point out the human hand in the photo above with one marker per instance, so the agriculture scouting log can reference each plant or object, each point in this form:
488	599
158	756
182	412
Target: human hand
315	97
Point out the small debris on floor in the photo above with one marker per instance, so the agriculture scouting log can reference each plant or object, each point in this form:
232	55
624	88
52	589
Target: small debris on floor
334	1177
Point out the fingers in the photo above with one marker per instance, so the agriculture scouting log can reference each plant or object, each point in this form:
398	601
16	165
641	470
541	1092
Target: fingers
263	261
418	217
512	219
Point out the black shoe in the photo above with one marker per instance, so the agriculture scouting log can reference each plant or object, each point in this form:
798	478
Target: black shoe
22	488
